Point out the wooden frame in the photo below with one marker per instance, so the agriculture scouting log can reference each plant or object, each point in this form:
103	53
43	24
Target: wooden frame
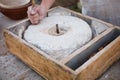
78	65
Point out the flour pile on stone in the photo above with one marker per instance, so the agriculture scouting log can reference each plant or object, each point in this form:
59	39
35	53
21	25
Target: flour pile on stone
76	33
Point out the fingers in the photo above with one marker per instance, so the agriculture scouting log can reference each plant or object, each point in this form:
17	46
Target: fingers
31	10
42	12
33	15
34	18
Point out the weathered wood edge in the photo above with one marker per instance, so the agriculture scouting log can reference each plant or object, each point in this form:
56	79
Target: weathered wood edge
26	19
85	16
56	64
73	12
22	21
99	54
100	62
64	61
118	27
70	11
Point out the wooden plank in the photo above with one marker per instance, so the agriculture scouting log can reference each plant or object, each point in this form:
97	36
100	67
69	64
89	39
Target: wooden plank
85	17
41	64
54	70
66	60
84	55
118	27
23	22
100	62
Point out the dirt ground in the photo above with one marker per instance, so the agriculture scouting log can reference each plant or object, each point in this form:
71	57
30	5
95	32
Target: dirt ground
11	68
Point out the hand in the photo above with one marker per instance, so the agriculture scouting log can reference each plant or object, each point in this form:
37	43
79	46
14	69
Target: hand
36	13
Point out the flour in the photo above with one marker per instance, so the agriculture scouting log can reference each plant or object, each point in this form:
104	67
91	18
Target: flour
77	34
98	27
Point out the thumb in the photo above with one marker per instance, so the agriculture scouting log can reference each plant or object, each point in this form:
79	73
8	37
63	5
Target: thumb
31	10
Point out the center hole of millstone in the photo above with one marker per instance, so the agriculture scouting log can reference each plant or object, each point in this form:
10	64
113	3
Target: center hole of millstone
57	30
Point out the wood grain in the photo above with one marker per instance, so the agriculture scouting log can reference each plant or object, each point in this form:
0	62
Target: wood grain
100	62
35	60
54	70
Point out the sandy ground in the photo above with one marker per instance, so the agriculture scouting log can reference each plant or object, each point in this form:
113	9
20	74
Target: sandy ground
11	68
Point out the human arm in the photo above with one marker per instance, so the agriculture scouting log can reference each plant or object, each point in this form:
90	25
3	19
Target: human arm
38	12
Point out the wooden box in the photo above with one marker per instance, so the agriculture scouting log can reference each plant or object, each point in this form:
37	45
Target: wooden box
86	63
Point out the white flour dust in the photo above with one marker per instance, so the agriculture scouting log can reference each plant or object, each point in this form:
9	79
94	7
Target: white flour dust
77	34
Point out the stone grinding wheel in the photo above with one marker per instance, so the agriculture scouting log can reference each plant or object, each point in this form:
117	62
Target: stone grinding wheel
74	33
13	3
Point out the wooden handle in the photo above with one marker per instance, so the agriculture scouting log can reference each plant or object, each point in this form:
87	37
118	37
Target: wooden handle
57	29
33	3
